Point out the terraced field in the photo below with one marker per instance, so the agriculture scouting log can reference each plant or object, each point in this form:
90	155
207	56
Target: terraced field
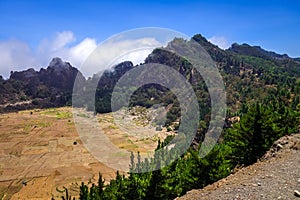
41	151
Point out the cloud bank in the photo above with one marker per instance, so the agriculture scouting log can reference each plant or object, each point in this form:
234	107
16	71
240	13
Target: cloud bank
112	52
18	55
15	55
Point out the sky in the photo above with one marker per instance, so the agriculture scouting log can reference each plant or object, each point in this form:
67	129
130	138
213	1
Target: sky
33	32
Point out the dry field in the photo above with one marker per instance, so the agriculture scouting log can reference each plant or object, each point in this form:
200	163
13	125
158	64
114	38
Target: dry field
41	151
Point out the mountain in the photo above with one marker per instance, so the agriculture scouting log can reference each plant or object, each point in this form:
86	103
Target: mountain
248	78
58	76
297	59
256	51
250	73
262	97
50	87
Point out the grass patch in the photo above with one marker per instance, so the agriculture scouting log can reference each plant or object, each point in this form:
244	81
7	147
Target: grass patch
107	119
64	115
83	115
59	114
27	127
129	141
113	127
44	124
49	111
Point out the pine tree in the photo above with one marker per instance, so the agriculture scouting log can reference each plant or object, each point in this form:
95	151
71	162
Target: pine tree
84	192
100	185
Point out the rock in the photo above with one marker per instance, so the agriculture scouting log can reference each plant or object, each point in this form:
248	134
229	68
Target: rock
297	193
296	145
279	146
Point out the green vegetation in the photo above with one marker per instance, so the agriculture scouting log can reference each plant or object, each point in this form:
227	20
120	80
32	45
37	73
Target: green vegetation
83	115
63	115
262	92
241	144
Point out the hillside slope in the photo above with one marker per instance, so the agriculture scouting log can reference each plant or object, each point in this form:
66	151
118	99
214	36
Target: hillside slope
277	176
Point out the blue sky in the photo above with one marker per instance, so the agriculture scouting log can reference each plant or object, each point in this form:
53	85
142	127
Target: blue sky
29	27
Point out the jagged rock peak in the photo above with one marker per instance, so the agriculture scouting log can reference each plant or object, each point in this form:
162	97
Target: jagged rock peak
57	63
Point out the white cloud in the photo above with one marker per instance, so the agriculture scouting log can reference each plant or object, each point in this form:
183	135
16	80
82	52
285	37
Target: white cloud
220	41
112	52
64	46
17	55
81	51
62	39
136	57
130	50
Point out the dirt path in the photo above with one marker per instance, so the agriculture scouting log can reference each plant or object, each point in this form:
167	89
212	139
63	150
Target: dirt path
277	176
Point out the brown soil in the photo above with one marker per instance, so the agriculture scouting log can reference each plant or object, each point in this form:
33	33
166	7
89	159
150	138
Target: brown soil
112	137
41	151
38	156
276	176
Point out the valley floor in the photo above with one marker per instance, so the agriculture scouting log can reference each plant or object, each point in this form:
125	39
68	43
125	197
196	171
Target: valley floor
41	151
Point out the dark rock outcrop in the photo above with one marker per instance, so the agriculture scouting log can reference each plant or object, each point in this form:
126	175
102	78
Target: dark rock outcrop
48	87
